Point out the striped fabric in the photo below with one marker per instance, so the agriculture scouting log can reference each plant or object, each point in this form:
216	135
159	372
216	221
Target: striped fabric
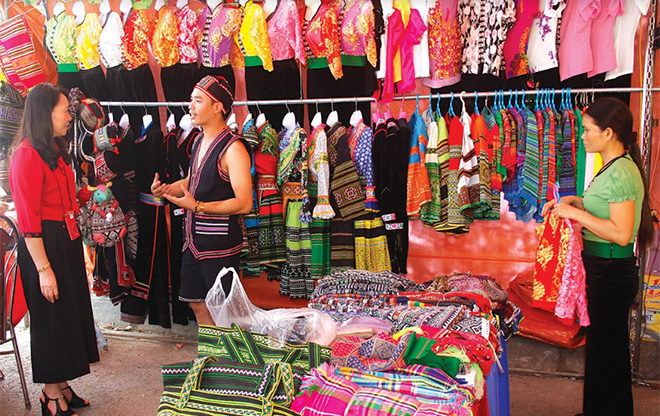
320	235
417	185
443	167
567	170
296	280
243	346
530	178
456	222
19	56
371	251
468	171
483	148
324	393
431	212
348	193
581	155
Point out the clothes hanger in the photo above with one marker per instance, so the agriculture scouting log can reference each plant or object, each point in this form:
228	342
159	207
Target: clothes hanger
429	112
402	114
186	121
476	103
356	117
289	120
450	111
333	117
261	118
438	112
147	119
316	120
510	105
463	111
171	122
124	120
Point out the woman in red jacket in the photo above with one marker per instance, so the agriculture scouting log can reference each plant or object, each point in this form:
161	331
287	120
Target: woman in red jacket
50	252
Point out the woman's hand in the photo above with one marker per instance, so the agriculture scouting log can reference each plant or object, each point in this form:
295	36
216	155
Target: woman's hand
158	188
187	201
563	210
547	207
48	284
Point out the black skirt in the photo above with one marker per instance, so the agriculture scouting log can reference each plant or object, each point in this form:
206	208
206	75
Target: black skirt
62	337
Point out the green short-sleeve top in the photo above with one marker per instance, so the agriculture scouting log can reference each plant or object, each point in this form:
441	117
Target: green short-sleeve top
621	181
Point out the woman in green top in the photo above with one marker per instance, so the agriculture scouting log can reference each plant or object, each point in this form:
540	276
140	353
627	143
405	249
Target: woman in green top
614	211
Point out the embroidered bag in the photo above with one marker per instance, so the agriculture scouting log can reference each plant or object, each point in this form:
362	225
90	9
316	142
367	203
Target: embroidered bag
243	346
104	220
191	399
231	377
11	111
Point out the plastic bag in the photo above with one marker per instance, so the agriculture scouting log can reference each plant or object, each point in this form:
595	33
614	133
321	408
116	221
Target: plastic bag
294	325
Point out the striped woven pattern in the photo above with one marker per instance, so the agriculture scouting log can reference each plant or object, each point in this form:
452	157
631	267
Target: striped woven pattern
16	41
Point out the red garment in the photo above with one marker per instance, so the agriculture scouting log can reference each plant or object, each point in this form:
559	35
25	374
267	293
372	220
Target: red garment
550	262
400	39
38	192
134	41
321	35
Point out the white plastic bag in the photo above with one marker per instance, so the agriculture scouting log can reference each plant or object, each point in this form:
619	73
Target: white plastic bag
295	325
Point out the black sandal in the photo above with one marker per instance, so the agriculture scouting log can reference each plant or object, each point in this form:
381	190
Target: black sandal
75	402
45	411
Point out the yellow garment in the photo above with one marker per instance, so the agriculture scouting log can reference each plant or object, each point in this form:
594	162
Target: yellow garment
163	42
254	34
64	39
404	7
598	162
87	42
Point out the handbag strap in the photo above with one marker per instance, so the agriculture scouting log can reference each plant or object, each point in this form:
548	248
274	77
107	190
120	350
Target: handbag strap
192	380
251	346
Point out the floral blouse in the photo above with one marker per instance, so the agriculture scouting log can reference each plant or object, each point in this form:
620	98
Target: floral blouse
484	27
110	46
285	32
189	31
444	45
321	36
253	35
87	42
164	40
218	27
320	172
361	143
61	38
542	44
357	30
515	46
134	42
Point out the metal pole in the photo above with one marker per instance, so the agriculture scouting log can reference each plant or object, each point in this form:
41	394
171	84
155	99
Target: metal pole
371	99
645	129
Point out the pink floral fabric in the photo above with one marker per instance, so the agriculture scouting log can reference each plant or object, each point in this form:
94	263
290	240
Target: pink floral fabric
573	290
285	32
188	34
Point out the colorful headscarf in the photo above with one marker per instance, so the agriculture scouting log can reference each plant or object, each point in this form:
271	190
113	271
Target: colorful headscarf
218	89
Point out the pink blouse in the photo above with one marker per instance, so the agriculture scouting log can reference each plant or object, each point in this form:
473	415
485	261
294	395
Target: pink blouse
515	45
402	39
445	48
575	55
188	34
285	33
357	30
217	29
602	37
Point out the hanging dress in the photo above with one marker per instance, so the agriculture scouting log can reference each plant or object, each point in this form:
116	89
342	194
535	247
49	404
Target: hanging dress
319	186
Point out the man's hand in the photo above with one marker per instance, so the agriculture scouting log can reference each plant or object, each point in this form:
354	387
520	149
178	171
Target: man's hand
158	188
187	201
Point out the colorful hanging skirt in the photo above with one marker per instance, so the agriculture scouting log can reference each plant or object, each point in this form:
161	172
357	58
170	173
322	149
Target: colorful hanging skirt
272	250
371	251
296	280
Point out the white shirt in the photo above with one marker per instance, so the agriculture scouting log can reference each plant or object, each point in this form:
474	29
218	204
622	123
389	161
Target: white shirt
625	29
421	51
110	41
542	44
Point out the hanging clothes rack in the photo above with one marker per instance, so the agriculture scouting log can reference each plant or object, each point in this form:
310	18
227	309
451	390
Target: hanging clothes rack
372	99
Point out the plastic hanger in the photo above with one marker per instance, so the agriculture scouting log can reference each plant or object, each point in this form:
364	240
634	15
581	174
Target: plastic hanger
171	122
356	117
450	111
333	117
78	11
429	112
402	114
289	120
476	103
180	4
261	118
231	121
438	112
510	105
463	111
124	120
147	119
317	119
58	8
247	118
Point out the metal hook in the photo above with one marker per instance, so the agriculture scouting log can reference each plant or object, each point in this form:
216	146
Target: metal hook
356	109
462	101
317	105
145	109
121	105
332	104
257	104
286	104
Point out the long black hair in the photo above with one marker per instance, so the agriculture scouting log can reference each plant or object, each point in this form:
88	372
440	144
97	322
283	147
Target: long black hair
37	124
615	114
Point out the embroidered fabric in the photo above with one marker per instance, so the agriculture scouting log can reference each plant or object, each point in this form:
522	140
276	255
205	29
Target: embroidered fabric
164	40
134	42
285	32
253	35
444	45
361	144
87	42
218	28
320	172
573	291
321	35
189	32
61	38
357	30
110	41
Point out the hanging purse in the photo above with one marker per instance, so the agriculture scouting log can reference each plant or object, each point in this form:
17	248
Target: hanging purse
11	111
191	399
240	345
